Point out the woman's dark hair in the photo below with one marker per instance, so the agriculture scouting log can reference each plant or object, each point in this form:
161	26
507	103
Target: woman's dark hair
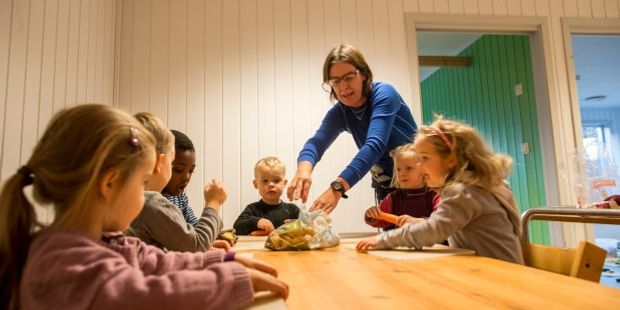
351	55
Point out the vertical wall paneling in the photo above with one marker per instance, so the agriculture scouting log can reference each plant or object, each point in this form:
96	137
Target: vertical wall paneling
266	78
140	57
40	66
249	106
213	136
500	7
485	7
457	7
194	124
232	108
283	80
158	55
570	8
93	37
33	75
125	88
442	7
16	87
46	98
471	7
506	120
598	8
413	6
177	70
427	6
611	8
514	7
584	8
85	37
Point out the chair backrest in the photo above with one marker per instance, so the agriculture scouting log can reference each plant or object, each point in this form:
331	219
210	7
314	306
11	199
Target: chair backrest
584	262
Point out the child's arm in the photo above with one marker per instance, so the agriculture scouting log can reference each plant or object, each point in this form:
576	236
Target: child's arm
247	221
166	225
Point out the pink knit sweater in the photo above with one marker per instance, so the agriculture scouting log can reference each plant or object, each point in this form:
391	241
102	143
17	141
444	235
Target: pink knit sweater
66	270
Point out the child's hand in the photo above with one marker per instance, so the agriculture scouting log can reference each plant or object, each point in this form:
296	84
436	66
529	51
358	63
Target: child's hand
366	244
265	225
265	282
215	195
373	212
256	264
221	244
407	219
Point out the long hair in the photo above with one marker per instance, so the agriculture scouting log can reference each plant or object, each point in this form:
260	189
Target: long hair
351	55
78	147
475	163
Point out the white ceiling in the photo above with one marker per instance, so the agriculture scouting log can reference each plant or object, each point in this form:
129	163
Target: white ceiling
597	61
597	66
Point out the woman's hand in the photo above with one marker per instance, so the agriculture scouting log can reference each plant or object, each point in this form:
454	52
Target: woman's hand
407	219
366	244
256	264
326	202
265	282
215	195
299	187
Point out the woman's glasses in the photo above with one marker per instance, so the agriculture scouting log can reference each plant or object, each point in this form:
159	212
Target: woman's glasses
335	81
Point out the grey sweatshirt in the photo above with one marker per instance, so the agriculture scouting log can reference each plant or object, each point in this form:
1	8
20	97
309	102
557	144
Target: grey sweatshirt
470	218
161	223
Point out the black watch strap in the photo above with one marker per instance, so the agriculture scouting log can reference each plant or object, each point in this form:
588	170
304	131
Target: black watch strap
339	187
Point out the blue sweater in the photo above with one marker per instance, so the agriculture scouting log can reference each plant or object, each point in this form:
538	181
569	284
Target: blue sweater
383	123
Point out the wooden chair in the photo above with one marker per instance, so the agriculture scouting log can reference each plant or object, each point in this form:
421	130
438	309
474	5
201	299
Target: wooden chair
584	262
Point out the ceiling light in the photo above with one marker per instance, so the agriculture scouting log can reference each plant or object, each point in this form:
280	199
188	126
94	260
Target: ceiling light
598	98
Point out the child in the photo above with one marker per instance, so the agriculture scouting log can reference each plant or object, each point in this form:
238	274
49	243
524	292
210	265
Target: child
412	200
182	169
94	177
270	212
161	223
477	210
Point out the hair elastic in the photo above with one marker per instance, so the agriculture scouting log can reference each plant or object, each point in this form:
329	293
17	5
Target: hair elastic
443	137
26	173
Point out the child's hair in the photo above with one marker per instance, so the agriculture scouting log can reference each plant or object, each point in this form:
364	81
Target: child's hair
402	151
182	142
270	162
475	163
79	145
164	139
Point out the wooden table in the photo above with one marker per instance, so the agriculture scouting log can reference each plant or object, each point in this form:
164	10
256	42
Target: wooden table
339	277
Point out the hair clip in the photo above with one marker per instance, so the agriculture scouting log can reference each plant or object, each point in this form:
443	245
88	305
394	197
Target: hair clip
133	137
443	137
26	173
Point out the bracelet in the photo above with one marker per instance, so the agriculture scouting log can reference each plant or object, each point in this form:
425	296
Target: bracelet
229	256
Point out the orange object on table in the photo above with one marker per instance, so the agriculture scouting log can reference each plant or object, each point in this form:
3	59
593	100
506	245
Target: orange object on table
259	233
388	217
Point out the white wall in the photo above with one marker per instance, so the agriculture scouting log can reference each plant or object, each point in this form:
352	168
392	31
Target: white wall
53	54
241	77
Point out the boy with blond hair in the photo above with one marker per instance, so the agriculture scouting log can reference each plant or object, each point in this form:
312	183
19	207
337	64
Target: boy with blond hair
270	211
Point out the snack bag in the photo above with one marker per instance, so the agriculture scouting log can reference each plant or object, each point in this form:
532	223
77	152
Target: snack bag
312	230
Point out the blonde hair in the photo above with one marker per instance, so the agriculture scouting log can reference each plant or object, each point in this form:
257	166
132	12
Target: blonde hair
270	162
475	163
351	55
78	147
164	139
402	151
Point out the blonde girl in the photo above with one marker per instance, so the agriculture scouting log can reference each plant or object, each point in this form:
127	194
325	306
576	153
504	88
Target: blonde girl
477	210
161	223
412	200
91	165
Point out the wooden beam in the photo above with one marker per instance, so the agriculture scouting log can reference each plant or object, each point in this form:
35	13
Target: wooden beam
443	61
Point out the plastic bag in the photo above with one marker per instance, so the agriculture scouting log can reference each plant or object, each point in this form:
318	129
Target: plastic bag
312	230
596	174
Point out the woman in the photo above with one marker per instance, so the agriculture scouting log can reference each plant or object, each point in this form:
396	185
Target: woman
374	114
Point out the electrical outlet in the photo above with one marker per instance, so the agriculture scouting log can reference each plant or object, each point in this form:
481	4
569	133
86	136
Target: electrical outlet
519	89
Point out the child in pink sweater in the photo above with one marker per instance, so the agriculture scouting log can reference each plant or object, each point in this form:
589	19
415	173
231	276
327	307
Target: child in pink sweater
92	164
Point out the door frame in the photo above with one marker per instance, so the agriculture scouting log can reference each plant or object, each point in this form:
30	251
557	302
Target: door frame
554	139
587	26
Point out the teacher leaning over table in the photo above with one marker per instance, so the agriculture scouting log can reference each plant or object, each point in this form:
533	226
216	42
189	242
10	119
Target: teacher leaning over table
372	112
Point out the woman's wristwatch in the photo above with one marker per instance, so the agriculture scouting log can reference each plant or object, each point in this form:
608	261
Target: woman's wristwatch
339	187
